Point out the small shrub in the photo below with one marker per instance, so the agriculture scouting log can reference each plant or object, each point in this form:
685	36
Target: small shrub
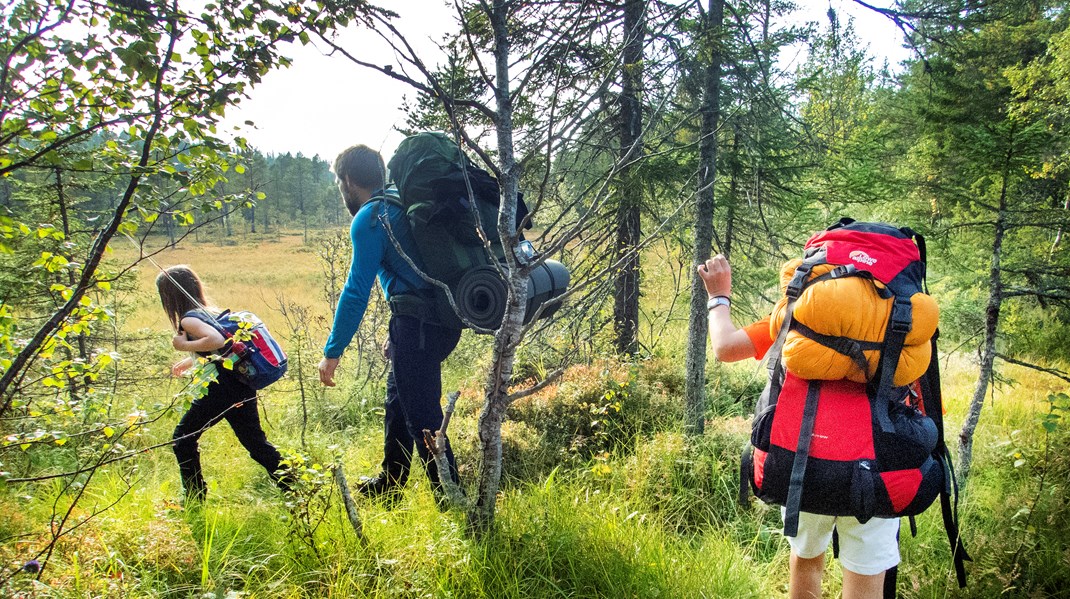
593	411
692	483
308	499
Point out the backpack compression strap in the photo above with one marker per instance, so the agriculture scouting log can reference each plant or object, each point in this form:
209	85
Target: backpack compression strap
895	335
932	401
852	348
802	454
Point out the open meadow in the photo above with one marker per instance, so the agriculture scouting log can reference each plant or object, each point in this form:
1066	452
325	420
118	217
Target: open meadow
604	496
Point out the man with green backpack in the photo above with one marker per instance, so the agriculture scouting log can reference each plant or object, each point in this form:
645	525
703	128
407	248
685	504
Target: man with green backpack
418	344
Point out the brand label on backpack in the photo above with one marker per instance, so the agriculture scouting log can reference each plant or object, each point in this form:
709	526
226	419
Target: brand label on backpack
863	258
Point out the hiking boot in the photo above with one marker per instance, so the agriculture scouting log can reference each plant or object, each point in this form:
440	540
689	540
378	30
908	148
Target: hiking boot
377	486
193	498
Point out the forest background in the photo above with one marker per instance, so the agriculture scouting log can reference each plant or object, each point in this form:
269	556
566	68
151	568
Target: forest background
598	448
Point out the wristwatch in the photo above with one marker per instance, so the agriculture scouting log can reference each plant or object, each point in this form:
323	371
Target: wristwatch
719	300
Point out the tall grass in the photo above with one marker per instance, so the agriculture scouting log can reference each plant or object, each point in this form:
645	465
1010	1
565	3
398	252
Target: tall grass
604	496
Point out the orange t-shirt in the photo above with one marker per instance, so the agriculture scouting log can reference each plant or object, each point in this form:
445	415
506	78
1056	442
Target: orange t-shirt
759	336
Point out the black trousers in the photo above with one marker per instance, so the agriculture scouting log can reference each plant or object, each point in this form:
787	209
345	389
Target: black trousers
231	400
414	395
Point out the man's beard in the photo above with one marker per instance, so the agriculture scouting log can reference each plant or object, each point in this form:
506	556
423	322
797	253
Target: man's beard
351	202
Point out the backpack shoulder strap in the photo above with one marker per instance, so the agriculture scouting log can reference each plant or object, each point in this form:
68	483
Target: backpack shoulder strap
207	317
793	505
387	196
390	196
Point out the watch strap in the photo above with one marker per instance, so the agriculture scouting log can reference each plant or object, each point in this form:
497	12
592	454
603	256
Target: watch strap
718	300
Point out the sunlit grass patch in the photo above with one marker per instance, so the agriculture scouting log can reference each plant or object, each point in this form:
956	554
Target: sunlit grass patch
237	277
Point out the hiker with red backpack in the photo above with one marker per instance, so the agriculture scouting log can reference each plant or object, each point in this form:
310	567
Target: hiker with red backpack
417	344
847	436
866	550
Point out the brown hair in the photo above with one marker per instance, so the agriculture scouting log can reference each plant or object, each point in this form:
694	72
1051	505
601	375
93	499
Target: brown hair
180	291
362	166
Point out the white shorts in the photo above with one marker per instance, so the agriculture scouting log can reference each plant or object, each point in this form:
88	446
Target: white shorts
865	549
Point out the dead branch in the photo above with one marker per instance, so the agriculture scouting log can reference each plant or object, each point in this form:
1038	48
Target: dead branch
350	505
436	443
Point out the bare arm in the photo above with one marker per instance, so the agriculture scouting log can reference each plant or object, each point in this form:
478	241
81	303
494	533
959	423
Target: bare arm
207	337
182	366
729	343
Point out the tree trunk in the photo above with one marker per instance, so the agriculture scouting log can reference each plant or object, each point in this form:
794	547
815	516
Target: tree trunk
61	204
481	514
732	200
988	351
506	339
1059	232
264	209
698	325
14	373
629	228
169	225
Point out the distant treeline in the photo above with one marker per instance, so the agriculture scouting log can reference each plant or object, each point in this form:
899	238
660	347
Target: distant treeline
263	193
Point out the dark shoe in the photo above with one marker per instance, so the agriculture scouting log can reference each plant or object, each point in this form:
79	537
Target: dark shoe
193	496
194	489
379	485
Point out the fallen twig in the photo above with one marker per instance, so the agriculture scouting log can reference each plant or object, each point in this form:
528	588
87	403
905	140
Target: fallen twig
351	506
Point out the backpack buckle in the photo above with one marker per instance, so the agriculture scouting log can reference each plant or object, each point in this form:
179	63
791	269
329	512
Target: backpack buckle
901	316
798	281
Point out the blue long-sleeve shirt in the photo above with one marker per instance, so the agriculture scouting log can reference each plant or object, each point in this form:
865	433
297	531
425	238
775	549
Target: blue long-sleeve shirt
373	254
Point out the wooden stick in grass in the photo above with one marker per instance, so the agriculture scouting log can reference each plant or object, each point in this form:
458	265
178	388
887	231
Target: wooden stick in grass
436	444
347	500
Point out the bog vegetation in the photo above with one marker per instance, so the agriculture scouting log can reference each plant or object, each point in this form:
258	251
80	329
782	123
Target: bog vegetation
643	136
604	495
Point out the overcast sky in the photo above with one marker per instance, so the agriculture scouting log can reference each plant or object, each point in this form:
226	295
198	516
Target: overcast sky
323	104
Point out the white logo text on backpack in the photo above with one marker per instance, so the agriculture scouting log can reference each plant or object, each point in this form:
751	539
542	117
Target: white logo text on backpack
862	257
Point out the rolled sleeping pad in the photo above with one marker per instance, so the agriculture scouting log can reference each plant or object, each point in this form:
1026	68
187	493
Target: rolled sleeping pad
547	281
481	293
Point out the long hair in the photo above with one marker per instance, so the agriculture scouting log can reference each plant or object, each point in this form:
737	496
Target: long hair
171	283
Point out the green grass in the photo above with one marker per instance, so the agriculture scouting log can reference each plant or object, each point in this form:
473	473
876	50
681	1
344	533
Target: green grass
603	496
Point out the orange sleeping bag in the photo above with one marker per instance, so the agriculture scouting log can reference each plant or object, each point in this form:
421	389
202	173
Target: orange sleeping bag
850	307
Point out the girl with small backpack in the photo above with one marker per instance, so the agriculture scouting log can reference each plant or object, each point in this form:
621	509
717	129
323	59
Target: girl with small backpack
227	398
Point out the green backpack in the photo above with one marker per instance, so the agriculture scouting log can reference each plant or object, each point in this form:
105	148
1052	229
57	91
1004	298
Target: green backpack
433	177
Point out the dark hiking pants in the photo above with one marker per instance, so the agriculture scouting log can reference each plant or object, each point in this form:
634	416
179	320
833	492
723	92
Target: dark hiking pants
413	395
227	399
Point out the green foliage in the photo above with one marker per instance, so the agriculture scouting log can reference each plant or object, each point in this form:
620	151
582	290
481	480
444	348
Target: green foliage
692	485
568	539
607	498
592	413
1015	510
308	499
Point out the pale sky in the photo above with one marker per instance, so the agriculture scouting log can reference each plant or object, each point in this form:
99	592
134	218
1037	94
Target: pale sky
324	104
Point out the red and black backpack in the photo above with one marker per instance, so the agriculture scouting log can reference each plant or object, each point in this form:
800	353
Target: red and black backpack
844	448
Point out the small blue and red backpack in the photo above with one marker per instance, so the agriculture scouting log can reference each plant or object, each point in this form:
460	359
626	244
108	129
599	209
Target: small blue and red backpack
251	351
